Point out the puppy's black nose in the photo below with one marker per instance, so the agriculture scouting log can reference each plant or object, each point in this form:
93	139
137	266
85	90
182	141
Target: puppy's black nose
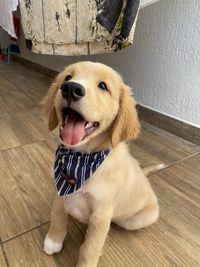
72	91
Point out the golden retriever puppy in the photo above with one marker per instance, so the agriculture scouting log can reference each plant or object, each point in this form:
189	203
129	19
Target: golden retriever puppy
97	180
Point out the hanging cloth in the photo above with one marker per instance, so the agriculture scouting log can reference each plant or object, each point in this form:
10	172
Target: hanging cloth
6	16
79	27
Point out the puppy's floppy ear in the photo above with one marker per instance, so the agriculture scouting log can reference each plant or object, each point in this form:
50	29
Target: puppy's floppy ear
126	125
48	105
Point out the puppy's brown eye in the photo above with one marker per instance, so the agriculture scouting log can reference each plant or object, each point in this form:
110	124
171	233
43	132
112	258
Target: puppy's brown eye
103	86
68	77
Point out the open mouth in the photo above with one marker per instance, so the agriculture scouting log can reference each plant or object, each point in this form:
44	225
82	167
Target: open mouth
74	127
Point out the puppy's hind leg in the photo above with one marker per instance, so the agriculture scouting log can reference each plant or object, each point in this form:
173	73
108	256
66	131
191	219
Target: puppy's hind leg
148	215
58	228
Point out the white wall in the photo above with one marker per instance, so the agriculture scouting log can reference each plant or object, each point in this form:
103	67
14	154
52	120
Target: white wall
167	55
164	64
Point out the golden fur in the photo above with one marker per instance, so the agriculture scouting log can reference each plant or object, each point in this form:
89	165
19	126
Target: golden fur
118	191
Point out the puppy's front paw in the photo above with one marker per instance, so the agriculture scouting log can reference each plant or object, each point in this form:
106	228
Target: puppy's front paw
84	265
51	247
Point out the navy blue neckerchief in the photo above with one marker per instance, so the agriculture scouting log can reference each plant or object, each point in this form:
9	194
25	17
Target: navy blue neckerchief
72	169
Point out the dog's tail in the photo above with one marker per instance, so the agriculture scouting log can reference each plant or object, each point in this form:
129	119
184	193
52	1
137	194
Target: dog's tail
151	169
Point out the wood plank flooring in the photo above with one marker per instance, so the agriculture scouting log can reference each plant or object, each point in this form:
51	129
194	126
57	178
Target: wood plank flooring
26	188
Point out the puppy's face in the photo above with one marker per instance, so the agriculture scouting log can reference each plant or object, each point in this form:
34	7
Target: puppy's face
89	102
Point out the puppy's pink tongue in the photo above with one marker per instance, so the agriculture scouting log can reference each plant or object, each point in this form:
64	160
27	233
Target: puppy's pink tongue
74	129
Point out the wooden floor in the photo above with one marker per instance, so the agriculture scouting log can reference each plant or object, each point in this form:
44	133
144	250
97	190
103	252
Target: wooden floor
26	189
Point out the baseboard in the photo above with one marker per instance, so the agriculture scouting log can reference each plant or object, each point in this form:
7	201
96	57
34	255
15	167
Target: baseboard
179	128
34	65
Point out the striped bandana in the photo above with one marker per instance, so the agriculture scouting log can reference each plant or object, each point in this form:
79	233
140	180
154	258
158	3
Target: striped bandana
72	169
